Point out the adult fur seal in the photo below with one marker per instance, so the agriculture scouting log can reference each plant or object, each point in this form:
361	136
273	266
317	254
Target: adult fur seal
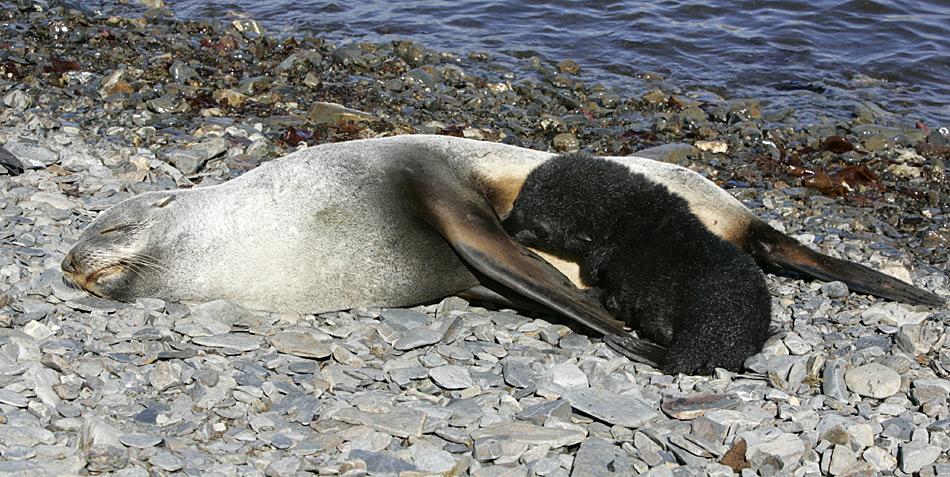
391	222
662	272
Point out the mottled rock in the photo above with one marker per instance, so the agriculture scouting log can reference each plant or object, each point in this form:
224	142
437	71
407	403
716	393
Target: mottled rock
696	405
873	380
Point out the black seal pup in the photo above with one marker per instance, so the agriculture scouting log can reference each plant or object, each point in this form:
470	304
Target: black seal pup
660	269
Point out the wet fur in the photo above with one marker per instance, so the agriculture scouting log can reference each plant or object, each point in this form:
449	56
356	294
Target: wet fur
661	270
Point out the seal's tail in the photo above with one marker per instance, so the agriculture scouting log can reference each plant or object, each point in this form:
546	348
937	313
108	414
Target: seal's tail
771	247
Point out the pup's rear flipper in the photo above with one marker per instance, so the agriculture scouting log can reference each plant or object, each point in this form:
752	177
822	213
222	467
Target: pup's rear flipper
639	350
769	246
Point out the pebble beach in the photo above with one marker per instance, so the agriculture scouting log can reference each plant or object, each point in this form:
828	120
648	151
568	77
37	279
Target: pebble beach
96	108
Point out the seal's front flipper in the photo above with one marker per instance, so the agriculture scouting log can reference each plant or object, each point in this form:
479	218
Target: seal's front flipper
771	247
469	224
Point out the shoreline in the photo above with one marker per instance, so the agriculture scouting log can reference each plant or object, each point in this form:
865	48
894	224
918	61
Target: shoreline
95	110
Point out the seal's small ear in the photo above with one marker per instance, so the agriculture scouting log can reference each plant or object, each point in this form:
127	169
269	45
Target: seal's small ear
163	201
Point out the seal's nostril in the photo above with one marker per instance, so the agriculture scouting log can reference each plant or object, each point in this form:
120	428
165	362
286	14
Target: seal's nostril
68	265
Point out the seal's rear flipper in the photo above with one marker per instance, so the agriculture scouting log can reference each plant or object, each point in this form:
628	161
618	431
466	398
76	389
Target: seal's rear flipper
469	224
771	247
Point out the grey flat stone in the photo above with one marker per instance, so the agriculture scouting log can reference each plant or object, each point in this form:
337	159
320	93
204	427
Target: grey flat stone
439	461
568	375
873	380
103	458
531	434
613	408
451	377
918	339
32	156
541	412
378	463
696	405
597	457
881	459
417	337
11	398
16	452
166	461
238	342
842	458
403	319
916	455
787	448
400	422
833	384
165	375
675	153
834	289
300	344
520	374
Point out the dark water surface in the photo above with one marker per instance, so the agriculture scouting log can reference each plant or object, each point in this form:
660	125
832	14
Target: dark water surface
821	57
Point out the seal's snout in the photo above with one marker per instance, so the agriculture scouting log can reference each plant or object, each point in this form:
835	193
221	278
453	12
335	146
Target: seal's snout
69	264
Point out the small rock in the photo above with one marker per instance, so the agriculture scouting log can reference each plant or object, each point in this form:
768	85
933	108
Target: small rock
531	434
834	289
597	457
417	337
300	344
400	422
873	380
32	156
674	153
165	375
38	330
612	408
166	461
451	377
880	459
918	339
18	100
842	458
140	441
566	142
234	342
569	67
786	447
568	375
715	147
378	463
333	113
833	384
11	398
695	405
916	455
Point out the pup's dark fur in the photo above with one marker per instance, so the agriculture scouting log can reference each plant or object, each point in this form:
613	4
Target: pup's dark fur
662	271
